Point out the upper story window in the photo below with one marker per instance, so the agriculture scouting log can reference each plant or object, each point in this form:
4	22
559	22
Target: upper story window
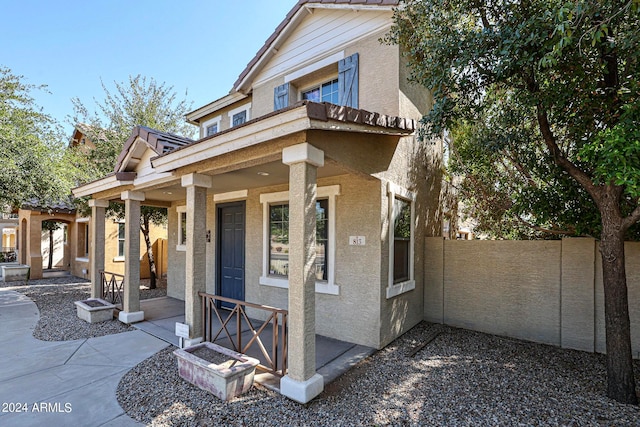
239	118
340	91
211	126
326	92
212	129
239	115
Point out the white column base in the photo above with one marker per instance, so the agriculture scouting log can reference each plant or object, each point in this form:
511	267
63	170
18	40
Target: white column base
188	342
132	317
302	391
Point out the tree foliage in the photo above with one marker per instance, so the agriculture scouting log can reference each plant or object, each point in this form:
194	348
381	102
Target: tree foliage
542	100
139	101
136	102
32	149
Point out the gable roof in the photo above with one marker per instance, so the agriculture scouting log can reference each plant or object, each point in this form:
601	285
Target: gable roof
143	138
273	41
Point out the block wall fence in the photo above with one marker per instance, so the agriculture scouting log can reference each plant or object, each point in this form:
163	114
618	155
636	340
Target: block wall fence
544	291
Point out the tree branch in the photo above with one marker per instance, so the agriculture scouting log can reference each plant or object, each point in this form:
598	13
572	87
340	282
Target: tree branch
546	230
550	141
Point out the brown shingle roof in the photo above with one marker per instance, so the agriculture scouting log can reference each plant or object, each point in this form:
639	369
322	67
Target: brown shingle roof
288	18
158	141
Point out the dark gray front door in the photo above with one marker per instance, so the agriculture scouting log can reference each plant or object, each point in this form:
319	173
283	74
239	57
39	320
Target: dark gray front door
230	251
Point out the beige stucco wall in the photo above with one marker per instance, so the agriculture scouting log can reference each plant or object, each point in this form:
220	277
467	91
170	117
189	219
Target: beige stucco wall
378	77
353	315
544	291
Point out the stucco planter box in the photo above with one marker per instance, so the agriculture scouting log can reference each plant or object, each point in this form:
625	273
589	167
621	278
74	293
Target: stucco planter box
94	310
216	369
12	272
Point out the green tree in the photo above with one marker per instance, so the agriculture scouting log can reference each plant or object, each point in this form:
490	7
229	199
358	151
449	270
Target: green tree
136	102
31	147
51	227
542	100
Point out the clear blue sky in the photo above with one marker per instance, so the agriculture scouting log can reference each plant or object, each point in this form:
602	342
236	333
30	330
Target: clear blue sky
197	46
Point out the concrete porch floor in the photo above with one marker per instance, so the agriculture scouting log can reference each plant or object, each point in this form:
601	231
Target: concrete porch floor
333	357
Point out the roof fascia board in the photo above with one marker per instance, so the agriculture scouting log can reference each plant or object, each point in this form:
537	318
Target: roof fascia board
273	49
98	186
212	107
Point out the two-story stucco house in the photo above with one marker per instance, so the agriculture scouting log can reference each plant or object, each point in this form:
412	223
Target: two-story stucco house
307	190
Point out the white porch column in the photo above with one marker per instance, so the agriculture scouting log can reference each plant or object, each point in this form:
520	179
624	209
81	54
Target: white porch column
196	255
302	383
131	312
96	250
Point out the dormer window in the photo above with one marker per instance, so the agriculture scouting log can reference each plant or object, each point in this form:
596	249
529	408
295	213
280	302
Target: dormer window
326	92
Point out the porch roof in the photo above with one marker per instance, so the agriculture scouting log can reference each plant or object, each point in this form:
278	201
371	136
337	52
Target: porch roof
301	117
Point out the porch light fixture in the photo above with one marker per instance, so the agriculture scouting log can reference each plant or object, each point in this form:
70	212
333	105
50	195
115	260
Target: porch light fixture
263	173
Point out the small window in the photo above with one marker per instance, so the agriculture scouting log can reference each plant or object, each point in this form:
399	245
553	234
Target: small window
279	240
121	239
326	92
181	244
86	240
183	228
212	129
239	118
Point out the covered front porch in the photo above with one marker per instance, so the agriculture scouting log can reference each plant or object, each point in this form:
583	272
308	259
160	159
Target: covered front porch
220	192
333	357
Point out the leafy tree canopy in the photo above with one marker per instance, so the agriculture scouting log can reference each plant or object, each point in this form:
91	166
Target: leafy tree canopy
501	69
542	98
139	101
32	147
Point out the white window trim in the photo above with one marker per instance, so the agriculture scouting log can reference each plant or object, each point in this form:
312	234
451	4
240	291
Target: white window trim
235	111
394	191
230	196
329	287
205	125
180	210
85	219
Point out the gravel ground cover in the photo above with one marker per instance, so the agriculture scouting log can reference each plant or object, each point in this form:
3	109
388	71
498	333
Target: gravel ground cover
461	378
55	300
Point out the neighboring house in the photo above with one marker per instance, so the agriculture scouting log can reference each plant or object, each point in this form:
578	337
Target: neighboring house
315	143
72	239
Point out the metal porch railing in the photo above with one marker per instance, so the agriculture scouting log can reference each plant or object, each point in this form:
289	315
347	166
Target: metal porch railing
112	287
277	319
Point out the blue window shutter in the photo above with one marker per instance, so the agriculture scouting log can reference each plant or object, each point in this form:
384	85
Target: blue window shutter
348	81
281	97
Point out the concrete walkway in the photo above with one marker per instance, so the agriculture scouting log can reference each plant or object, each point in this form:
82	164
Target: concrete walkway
69	383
